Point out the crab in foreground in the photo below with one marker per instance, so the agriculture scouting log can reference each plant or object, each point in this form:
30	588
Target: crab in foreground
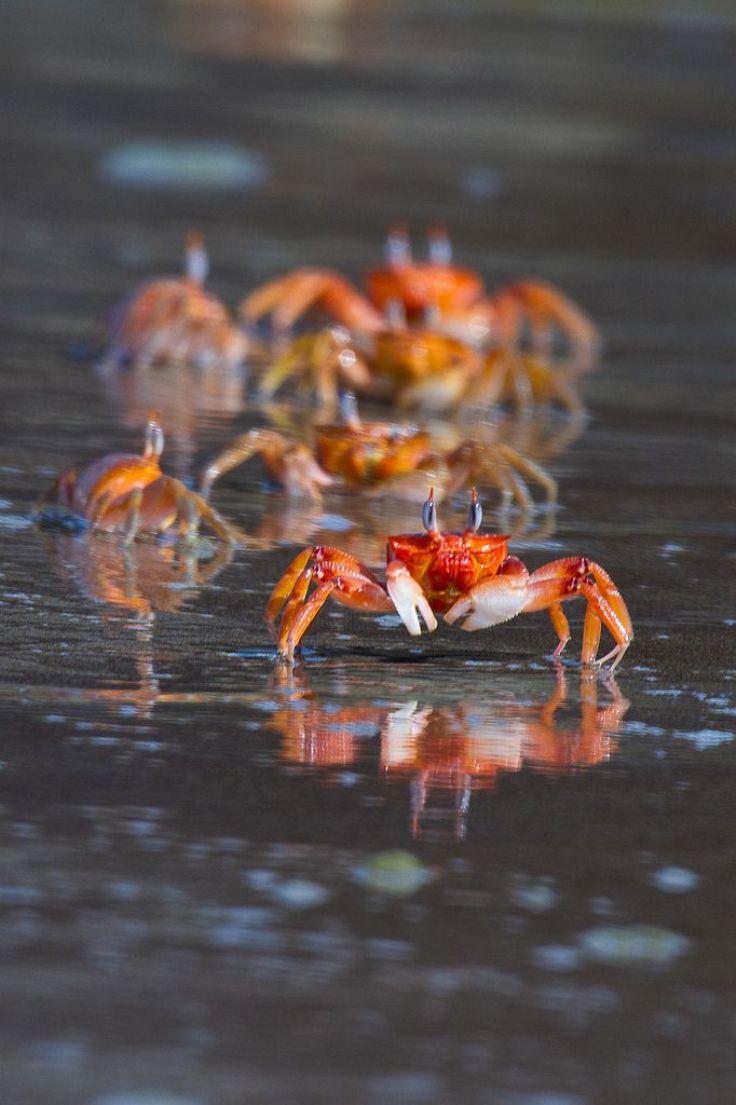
174	320
378	456
454	298
467	577
127	494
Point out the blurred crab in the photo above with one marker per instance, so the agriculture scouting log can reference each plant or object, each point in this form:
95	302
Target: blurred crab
128	494
453	298
174	320
378	456
417	368
468	577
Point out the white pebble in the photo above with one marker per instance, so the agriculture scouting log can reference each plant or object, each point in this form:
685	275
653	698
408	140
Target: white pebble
674	880
633	945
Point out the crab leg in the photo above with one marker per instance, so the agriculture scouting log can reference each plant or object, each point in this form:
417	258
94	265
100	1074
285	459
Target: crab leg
293	465
543	305
285	586
591	636
134	519
520	463
278	297
300	614
288	298
560	580
338	574
561	626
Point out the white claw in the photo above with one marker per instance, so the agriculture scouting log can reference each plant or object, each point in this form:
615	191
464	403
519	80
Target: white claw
490	603
409	599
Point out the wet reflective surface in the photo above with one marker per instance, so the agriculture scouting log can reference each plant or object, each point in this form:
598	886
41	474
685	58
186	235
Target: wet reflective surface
408	871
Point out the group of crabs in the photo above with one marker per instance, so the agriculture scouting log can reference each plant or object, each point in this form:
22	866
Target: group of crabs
425	334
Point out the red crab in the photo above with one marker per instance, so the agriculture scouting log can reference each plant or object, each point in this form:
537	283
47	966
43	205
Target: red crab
468	577
173	319
128	494
454	298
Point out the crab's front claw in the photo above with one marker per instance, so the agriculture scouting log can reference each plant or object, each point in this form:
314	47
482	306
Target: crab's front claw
409	599
491	602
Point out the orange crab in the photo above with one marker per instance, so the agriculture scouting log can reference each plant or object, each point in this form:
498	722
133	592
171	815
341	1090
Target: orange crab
374	456
173	319
468	577
418	367
453	297
128	494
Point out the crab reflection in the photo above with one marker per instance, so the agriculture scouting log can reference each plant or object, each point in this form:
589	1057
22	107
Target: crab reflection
140	580
186	398
311	30
449	750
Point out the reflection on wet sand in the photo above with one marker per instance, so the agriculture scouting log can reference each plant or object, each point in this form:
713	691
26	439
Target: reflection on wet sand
313	30
449	750
141	579
186	398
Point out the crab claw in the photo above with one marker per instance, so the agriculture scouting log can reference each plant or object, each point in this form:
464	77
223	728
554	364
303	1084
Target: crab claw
408	598
491	602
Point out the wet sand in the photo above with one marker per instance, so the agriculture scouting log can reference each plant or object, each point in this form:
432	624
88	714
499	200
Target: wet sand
200	891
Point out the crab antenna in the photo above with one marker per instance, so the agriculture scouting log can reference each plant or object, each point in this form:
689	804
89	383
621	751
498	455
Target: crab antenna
475	512
429	513
398	247
439	246
154	439
395	314
349	410
196	261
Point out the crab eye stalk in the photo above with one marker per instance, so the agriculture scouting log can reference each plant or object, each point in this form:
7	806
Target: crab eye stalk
429	514
349	410
196	262
475	512
398	247
439	246
154	445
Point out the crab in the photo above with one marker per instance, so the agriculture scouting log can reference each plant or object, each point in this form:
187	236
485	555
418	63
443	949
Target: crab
453	297
469	577
373	456
174	320
418	367
128	495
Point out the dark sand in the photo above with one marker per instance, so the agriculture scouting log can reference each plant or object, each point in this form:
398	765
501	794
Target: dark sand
188	906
